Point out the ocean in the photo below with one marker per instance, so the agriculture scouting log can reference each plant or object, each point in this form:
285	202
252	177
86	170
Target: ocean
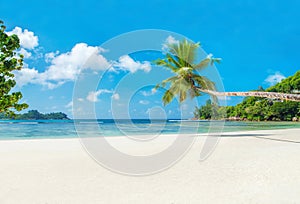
47	129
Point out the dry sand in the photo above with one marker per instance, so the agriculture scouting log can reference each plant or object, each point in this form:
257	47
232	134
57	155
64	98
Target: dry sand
246	167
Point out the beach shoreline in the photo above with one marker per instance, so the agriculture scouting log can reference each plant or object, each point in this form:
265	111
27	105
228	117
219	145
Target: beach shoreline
246	167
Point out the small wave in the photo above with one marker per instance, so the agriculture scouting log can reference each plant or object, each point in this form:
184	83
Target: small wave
99	122
27	123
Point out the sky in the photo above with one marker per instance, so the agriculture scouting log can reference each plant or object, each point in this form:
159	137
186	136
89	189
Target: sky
72	63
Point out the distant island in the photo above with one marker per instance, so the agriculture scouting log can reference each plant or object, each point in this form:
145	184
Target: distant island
36	115
257	109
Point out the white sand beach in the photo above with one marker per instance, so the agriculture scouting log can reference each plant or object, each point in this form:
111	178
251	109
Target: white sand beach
246	167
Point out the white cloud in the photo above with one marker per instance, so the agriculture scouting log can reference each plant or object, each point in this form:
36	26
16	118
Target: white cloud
153	91
116	96
144	102
51	55
64	67
93	95
25	53
128	64
274	78
67	66
69	105
80	99
25	76
27	38
170	40
149	93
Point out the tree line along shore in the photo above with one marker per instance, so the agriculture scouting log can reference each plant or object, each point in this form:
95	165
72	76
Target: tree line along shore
257	109
36	115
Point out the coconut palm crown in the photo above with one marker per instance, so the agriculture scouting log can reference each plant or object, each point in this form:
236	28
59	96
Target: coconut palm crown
180	58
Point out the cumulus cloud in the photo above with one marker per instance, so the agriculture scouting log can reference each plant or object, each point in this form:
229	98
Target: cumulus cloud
93	95
27	38
26	75
274	78
64	67
128	64
67	66
25	53
51	55
28	41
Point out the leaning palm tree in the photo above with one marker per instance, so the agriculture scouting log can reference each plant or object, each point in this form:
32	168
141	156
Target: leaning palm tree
180	59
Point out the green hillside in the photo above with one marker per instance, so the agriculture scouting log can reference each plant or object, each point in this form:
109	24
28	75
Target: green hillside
258	109
35	115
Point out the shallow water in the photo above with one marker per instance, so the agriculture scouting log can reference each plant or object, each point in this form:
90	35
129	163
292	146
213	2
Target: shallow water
37	129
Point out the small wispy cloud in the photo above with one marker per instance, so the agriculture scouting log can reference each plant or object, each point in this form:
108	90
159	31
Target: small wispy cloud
274	78
116	96
69	105
93	95
149	93
144	102
170	40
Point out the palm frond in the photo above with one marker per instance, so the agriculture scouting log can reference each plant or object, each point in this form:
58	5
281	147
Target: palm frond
185	51
193	92
180	59
164	82
202	65
165	63
168	97
203	82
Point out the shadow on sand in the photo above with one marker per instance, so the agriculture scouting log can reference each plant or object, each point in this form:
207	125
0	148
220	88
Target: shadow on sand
258	136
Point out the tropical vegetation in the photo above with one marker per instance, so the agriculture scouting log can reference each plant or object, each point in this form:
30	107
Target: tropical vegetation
258	109
10	61
36	115
180	59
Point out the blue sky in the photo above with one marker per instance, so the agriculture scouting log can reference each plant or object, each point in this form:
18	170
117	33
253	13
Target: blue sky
258	41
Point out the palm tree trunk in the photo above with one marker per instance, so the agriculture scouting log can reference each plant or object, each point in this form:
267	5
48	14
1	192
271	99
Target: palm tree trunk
271	95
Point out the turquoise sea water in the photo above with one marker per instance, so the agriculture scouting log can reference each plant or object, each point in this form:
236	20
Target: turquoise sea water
37	129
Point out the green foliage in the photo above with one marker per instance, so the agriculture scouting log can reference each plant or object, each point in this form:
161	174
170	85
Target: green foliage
180	59
35	115
288	85
258	109
9	61
210	111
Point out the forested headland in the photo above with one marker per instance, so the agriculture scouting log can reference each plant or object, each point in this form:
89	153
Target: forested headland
258	109
36	115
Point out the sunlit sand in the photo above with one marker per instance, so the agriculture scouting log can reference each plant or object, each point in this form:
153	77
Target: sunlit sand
246	167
